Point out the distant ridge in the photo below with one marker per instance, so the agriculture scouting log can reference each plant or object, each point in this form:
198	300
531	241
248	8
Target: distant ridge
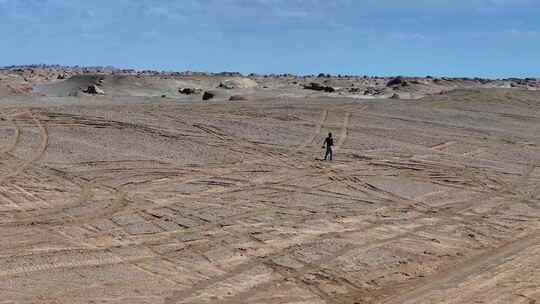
76	69
85	70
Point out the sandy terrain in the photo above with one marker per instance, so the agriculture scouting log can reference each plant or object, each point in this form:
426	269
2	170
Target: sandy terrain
134	198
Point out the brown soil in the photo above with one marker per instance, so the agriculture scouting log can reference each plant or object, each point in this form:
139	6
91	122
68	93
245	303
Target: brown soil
136	199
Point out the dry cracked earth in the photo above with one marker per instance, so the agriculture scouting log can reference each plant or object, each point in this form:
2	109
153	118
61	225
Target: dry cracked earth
434	200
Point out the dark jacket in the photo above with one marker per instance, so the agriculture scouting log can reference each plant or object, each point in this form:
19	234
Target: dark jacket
329	142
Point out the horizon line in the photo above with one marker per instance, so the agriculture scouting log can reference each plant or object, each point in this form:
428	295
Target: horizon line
113	68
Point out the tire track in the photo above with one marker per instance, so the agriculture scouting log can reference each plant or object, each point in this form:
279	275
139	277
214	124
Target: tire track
316	133
234	168
25	164
346	125
16	138
296	274
460	206
242	186
431	149
443	146
344	132
479	264
102	257
321	264
318	265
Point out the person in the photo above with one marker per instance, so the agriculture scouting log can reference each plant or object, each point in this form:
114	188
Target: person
329	143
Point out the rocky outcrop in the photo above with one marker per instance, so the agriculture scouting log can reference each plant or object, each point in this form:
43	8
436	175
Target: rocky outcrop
189	91
398	81
374	91
319	87
94	90
237	83
237	98
208	95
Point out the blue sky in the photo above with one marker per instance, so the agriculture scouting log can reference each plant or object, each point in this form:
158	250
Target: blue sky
488	38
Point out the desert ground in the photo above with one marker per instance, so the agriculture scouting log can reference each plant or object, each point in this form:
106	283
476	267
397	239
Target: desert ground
143	194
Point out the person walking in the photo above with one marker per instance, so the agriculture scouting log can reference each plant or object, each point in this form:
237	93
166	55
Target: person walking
329	143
